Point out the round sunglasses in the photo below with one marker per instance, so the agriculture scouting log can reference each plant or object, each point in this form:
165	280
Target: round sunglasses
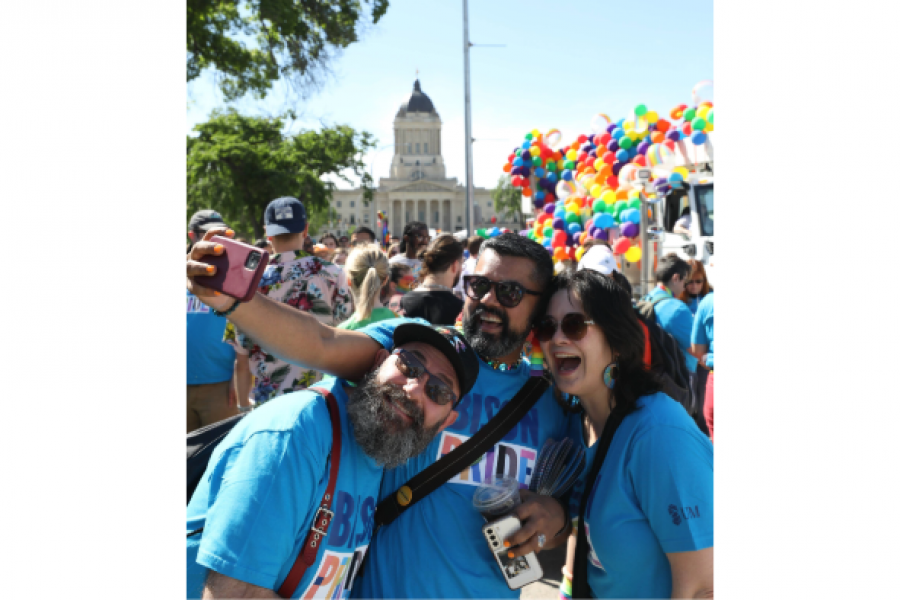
573	325
508	293
695	281
411	367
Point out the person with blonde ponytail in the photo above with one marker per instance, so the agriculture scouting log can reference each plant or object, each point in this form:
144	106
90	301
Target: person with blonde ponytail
368	271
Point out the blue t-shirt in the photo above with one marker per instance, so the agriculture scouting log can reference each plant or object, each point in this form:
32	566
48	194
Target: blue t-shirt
703	327
676	319
209	359
692	303
262	488
436	548
653	495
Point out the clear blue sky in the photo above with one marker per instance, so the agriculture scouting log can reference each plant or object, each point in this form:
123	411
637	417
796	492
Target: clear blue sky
563	63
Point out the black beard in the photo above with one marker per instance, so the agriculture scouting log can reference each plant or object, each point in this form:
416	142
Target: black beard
382	433
488	345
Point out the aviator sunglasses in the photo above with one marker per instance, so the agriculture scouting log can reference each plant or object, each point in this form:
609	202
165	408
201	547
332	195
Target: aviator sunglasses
573	327
509	293
411	367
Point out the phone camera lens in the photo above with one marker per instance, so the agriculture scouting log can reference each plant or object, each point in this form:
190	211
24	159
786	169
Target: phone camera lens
253	260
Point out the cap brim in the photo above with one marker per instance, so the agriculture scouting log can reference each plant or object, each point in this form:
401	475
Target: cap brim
208	226
274	229
416	332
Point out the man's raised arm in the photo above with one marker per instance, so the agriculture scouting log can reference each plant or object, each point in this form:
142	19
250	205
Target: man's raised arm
292	335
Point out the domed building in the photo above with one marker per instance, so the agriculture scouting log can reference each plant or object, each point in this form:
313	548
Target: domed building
417	188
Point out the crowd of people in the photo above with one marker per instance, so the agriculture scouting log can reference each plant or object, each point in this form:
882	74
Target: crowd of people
417	347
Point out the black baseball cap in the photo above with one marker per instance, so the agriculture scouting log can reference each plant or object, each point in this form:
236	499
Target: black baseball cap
203	220
285	215
450	342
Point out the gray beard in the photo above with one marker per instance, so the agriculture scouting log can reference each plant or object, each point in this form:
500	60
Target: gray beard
379	431
490	346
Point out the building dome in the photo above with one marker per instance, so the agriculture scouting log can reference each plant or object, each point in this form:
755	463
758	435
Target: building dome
418	103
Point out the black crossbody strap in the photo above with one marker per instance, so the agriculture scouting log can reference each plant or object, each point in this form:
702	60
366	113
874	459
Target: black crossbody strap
463	455
580	587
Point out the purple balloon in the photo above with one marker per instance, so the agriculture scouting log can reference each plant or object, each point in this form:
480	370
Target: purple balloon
516	171
643	147
630	229
612	146
546	184
538	202
593	153
526	171
524	233
673	135
549	208
526	155
611	127
559	223
617	166
601	235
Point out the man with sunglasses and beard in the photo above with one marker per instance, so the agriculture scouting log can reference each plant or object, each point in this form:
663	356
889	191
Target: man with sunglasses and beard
259	496
503	297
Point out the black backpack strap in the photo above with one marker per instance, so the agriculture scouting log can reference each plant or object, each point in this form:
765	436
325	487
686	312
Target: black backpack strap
580	587
450	465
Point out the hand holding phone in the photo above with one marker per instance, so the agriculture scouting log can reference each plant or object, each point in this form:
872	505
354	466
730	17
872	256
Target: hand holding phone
238	269
518	571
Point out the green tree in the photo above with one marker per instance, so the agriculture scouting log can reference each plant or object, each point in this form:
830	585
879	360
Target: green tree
238	164
295	39
508	200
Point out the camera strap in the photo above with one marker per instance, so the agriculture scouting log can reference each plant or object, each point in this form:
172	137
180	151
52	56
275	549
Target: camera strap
464	455
580	587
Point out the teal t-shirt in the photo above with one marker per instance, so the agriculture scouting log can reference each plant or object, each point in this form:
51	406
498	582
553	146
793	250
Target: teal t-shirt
378	314
703	327
262	488
676	319
653	495
209	359
436	548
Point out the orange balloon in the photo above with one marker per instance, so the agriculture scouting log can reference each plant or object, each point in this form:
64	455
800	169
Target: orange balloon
622	195
507	168
589	170
526	191
560	253
605	172
657	137
557	155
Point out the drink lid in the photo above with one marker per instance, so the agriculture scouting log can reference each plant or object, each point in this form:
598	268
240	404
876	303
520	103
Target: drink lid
499	493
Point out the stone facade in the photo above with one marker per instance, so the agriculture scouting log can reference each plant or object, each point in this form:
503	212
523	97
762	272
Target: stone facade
417	188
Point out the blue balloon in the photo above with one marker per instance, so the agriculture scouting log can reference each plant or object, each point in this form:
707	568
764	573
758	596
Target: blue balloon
538	172
539	195
526	145
567	175
634	215
617	133
552	177
573	228
518	161
622	155
698	137
527	162
546	244
604	220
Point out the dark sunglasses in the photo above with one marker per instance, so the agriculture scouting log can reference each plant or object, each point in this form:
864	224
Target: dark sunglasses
697	281
509	293
573	327
411	367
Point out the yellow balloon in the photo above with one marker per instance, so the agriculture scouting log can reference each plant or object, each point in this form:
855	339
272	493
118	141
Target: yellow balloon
633	254
595	190
598	164
651	116
588	181
633	135
609	197
535	151
682	170
571	155
535	132
628	126
632	194
579	253
703	111
709	126
560	164
642	126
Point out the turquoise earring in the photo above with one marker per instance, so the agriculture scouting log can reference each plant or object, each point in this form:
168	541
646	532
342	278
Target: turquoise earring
610	373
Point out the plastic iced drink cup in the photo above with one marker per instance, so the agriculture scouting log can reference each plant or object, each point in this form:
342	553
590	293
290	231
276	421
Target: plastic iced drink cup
497	498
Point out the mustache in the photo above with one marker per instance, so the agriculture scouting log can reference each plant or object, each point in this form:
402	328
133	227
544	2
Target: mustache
486	310
391	392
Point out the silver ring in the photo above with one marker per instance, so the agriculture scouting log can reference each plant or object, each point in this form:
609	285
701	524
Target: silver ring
541	540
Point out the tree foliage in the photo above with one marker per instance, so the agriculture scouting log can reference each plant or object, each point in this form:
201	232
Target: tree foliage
295	39
238	164
508	200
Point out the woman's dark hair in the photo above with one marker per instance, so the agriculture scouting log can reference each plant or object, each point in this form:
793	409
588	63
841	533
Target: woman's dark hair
609	306
398	270
442	252
329	235
411	228
622	281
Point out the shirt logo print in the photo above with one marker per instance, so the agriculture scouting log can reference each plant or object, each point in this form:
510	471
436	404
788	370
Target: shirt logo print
673	512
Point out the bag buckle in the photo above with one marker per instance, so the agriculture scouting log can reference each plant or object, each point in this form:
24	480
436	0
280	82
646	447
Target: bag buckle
330	516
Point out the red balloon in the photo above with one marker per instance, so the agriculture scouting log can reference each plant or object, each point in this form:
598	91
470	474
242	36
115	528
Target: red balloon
686	128
641	160
621	245
609	158
612	181
493	219
604	139
582	138
582	157
559	239
511	157
572	252
670	145
516	181
663	125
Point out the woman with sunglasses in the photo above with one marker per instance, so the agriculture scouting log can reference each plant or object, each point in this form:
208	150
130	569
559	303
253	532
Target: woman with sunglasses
696	286
647	504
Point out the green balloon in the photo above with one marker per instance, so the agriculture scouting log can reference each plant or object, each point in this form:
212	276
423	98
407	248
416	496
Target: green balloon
551	165
548	232
573	218
640	110
689	114
634	203
709	117
531	235
537	161
599	206
625	142
480	232
698	124
519	152
528	136
569	164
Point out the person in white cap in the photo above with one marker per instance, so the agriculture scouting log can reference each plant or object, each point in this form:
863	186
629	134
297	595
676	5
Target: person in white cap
599	258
